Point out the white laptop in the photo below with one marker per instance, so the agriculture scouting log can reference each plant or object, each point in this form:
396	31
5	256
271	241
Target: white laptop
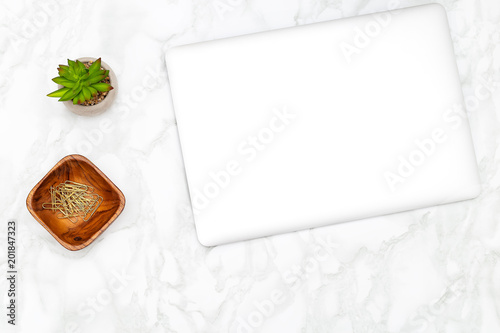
323	123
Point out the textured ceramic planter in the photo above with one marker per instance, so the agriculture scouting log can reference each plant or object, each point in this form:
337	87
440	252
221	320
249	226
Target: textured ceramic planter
94	110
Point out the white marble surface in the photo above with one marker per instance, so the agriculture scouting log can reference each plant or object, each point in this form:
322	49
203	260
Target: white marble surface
431	270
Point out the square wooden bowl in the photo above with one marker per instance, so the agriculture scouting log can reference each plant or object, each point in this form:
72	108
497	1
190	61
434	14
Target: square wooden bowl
76	236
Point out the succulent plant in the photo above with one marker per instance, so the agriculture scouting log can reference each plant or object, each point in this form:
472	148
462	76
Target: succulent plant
80	83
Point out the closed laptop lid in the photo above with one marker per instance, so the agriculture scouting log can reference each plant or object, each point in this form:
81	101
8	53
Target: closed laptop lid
323	123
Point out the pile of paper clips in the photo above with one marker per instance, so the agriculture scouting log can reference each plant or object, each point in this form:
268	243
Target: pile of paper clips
73	200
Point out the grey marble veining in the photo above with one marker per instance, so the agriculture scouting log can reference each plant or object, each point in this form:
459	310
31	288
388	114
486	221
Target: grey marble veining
430	270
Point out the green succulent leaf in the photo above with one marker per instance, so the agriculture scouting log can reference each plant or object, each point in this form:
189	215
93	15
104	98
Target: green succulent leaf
85	77
73	71
81	97
59	92
96	65
64	82
96	79
102	86
71	63
96	73
78	86
73	92
66	74
70	94
93	91
86	93
81	68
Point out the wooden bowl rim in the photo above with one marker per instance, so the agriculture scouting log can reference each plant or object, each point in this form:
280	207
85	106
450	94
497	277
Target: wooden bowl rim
121	206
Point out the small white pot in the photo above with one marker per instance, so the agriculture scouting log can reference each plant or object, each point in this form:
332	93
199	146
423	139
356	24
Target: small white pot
94	110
